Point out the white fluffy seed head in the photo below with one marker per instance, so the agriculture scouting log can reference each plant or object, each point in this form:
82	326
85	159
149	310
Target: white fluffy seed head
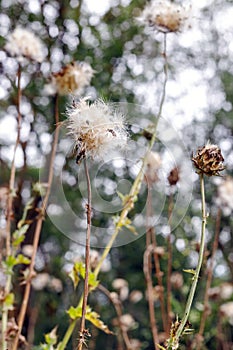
96	128
71	79
22	43
165	16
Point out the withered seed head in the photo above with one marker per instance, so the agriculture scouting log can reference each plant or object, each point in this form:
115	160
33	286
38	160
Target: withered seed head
173	177
209	160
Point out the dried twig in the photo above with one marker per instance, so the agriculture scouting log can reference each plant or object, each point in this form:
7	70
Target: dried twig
38	230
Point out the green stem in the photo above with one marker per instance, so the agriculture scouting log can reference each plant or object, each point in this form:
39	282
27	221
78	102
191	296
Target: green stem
67	335
199	264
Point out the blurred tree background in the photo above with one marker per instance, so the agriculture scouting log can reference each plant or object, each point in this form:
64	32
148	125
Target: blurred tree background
128	63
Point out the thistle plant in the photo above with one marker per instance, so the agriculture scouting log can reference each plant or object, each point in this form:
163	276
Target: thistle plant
96	130
208	160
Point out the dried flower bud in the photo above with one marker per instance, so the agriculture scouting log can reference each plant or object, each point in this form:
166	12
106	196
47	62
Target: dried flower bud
209	160
72	78
173	177
153	163
164	16
22	43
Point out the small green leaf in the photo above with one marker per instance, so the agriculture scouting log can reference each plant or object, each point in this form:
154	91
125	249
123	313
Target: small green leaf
91	316
51	338
94	318
78	272
9	301
19	235
75	278
75	312
193	272
21	259
9	263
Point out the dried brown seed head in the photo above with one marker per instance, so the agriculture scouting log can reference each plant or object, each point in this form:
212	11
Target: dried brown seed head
209	160
173	177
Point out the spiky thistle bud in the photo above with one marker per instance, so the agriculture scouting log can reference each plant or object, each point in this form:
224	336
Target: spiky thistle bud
209	160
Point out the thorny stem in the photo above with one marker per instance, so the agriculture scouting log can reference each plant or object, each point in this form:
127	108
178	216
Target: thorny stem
38	231
9	212
199	264
87	258
209	279
132	196
169	263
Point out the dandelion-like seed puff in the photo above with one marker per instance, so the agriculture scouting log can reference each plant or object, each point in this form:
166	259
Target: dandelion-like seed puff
165	16
72	78
97	129
22	43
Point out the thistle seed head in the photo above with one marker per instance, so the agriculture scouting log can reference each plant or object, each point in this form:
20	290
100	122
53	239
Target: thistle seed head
22	43
164	16
209	160
96	128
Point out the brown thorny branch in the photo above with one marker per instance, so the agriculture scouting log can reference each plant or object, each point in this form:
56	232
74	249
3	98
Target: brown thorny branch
9	210
87	259
38	230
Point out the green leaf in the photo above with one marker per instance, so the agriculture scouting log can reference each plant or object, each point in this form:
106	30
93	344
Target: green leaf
75	278
51	338
9	263
193	272
19	235
75	312
78	273
9	301
94	318
91	316
21	259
